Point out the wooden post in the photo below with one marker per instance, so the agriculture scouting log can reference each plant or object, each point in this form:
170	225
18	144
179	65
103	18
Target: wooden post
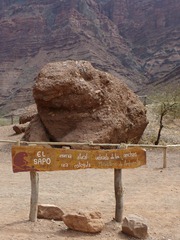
165	157
145	100
34	176
12	119
118	194
118	188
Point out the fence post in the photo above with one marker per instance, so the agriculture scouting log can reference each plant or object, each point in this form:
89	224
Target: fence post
165	157
145	100
34	177
118	188
12	119
118	194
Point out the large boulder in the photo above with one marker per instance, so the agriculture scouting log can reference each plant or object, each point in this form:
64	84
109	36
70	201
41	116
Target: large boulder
78	103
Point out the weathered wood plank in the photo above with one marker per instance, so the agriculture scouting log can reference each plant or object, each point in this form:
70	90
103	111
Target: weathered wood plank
39	158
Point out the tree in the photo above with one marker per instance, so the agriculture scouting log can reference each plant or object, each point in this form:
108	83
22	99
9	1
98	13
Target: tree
167	104
165	109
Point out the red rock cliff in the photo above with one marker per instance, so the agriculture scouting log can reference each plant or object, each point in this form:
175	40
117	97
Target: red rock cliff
136	40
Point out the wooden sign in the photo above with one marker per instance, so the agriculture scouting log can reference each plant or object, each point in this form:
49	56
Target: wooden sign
39	158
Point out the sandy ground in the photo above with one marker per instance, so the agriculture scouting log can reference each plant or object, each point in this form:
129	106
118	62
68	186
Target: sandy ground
149	191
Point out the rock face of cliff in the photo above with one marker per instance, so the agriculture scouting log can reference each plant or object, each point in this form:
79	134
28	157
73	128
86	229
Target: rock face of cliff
134	40
153	29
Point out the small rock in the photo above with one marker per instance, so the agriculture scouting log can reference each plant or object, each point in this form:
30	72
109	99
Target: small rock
135	226
19	129
48	211
89	222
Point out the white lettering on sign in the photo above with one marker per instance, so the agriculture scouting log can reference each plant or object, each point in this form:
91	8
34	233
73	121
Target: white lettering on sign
106	164
102	157
82	156
131	154
42	161
64	165
40	154
65	155
82	165
114	156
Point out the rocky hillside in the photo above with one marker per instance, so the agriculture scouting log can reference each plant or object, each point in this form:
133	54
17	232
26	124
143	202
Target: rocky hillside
153	29
134	40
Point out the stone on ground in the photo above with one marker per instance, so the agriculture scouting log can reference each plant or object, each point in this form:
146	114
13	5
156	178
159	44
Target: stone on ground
48	211
19	129
89	222
135	226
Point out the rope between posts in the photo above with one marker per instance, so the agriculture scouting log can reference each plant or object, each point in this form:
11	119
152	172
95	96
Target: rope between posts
89	143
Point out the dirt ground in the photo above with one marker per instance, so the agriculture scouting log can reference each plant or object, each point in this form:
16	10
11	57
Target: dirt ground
149	191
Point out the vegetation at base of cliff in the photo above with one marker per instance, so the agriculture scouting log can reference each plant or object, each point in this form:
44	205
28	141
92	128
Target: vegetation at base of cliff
4	121
163	112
